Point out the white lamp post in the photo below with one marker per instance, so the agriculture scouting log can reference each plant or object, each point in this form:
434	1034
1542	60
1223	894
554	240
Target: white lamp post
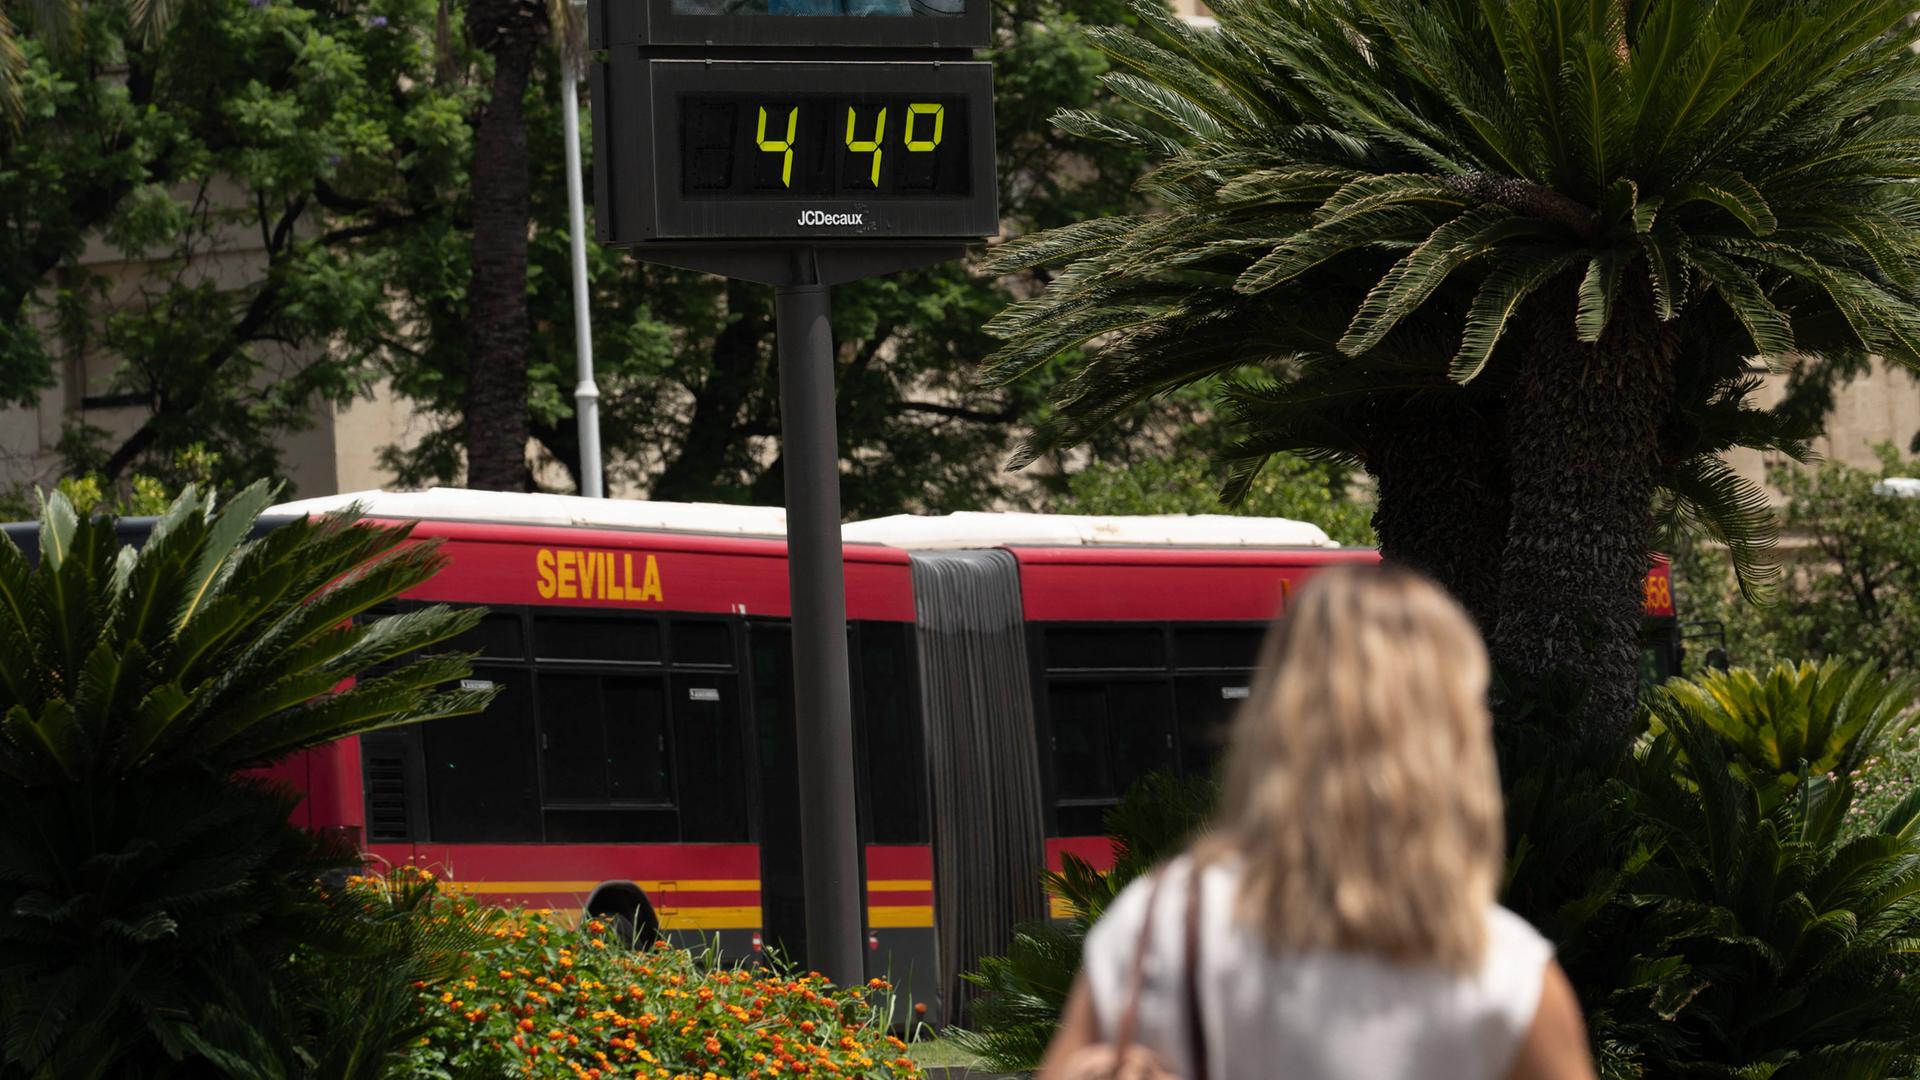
586	395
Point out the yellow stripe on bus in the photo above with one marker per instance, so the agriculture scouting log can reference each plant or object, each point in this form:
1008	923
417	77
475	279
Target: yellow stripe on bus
902	916
712	918
589	886
723	918
899	886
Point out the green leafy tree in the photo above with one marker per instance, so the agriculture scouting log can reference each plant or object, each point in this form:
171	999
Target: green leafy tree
1315	492
154	895
1512	258
139	495
304	131
1852	589
60	23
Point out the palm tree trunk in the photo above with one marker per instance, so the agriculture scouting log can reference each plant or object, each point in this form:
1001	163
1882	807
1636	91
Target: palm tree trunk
496	415
1439	468
1584	425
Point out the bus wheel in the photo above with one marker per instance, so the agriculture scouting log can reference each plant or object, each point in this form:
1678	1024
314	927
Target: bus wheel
626	909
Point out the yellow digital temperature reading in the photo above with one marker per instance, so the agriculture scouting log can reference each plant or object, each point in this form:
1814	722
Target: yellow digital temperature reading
783	147
824	146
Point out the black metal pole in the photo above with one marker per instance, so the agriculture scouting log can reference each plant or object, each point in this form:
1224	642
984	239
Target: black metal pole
810	452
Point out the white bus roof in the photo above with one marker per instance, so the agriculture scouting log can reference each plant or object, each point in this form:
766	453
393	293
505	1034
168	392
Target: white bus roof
970	529
521	508
965	529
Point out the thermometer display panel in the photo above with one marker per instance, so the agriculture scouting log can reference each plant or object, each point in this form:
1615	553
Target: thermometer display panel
822	150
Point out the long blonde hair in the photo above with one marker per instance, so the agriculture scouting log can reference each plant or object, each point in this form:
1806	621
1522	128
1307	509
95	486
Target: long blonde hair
1362	797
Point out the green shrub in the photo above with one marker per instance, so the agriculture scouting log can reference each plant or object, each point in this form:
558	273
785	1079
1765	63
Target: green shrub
1852	590
156	905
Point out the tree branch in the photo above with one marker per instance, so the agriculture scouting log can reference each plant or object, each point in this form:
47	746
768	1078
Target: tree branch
957	412
260	310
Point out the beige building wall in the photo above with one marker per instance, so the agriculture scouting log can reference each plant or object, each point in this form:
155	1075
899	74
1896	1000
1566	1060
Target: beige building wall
1881	406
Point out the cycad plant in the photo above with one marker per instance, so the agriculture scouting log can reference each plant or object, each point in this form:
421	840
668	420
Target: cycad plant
144	878
1796	723
1513	256
1784	945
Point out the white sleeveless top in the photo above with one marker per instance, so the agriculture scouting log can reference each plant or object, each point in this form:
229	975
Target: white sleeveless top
1319	1016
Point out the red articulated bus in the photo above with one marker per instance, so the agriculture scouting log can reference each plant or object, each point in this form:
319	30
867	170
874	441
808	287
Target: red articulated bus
1012	675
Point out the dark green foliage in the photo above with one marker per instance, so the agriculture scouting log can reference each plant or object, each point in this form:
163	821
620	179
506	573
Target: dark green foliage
339	138
348	1005
151	894
1818	720
1023	992
1021	995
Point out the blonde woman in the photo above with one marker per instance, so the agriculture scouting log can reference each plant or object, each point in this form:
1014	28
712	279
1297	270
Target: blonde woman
1347	923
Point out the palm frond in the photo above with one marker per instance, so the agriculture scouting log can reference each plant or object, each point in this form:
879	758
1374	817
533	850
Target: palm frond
1705	494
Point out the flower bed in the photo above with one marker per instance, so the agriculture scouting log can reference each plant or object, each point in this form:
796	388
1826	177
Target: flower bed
546	1000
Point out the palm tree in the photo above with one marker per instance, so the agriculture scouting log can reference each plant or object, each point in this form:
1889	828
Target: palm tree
497	424
149	886
1513	256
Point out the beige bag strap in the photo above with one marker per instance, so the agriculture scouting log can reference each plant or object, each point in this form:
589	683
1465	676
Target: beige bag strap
1196	1028
1130	1015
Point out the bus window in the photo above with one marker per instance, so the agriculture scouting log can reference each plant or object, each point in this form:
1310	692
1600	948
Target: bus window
603	739
596	637
709	759
1151	709
1082	768
611	825
501	634
1204	708
782	902
1202	647
888	723
1106	735
702	642
1139	721
479	769
1101	647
